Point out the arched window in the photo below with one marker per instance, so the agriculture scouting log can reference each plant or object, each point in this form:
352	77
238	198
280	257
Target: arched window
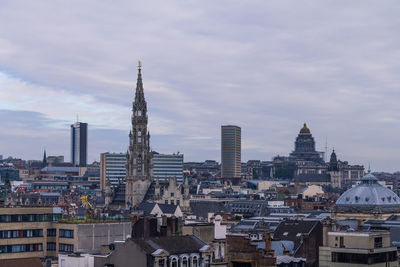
184	262
174	262
195	261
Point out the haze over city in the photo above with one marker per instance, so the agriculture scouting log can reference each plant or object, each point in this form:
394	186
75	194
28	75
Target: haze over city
265	66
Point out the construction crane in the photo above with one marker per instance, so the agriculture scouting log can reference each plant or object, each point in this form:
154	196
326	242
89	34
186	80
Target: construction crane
85	203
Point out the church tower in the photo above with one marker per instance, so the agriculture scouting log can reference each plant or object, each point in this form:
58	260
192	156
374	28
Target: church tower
139	158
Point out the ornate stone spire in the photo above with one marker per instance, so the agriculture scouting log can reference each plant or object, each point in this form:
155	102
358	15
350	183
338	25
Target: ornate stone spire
44	162
139	157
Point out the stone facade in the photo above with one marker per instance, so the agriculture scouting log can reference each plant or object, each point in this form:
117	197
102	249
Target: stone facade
139	157
172	194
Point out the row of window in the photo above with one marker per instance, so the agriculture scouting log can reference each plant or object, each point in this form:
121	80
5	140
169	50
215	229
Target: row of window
30	218
21	248
21	233
65	247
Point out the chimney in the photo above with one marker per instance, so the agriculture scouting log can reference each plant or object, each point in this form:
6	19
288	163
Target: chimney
359	225
267	242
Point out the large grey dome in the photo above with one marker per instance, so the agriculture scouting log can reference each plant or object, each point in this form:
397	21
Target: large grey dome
368	196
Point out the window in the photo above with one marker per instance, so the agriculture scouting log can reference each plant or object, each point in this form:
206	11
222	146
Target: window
21	233
51	246
51	232
139	164
378	242
174	262
21	248
161	263
341	242
194	261
66	233
66	247
185	262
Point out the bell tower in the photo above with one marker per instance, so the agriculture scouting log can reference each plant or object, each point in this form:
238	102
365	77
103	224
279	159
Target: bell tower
139	158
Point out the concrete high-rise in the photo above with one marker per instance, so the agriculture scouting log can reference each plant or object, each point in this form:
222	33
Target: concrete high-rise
230	151
79	141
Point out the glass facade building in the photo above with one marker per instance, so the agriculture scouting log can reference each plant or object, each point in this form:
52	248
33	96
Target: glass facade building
79	148
168	165
112	167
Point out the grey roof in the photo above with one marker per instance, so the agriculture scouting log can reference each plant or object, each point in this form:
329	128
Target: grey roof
312	177
168	208
279	246
54	169
172	244
293	229
368	196
146	207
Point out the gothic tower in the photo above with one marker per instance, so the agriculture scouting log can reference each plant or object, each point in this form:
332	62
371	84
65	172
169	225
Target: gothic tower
139	158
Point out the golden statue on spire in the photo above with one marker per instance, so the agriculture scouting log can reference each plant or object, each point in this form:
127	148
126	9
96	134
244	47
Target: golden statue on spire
140	64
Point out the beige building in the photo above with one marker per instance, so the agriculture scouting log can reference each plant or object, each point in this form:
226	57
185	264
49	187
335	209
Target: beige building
355	248
39	232
230	151
173	194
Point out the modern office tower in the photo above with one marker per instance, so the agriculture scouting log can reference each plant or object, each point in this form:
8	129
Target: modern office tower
139	159
230	151
166	166
112	167
79	144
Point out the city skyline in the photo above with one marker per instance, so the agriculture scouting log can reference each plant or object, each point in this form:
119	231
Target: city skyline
334	69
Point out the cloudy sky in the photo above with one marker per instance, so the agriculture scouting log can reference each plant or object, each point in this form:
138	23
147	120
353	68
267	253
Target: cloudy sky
267	66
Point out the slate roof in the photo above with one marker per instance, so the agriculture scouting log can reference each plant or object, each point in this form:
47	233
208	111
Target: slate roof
168	208
312	177
293	229
146	207
172	244
202	208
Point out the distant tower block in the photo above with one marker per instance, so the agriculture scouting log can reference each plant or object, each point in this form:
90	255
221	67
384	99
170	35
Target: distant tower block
79	149
230	151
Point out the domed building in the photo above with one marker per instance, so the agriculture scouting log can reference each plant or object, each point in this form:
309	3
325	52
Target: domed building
304	147
367	200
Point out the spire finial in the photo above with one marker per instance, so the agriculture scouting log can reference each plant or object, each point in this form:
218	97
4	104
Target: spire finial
139	65
369	167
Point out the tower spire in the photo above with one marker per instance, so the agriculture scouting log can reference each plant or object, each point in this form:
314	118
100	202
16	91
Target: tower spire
44	162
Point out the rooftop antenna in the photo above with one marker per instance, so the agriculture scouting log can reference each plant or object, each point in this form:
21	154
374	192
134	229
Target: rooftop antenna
77	117
326	148
369	167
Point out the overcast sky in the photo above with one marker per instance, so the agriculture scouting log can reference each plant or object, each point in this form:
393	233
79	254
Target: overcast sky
267	66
